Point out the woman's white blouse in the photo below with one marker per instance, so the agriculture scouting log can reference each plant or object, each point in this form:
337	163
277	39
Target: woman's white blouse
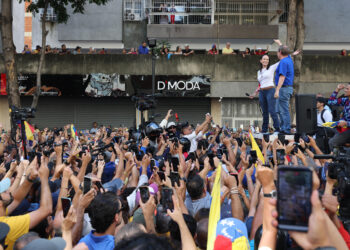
265	76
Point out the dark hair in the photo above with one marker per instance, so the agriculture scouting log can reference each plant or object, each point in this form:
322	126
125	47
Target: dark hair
248	49
145	242
175	230
102	211
281	239
202	213
202	144
40	229
202	233
261	66
195	187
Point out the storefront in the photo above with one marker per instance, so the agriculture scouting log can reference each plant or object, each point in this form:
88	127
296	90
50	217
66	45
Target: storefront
109	99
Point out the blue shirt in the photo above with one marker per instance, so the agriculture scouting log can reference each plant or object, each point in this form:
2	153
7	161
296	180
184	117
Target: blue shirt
143	50
105	242
285	68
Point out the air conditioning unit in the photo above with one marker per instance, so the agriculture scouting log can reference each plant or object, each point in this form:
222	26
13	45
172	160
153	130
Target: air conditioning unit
132	16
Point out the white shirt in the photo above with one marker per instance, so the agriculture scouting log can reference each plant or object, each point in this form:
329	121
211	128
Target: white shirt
193	139
265	76
327	116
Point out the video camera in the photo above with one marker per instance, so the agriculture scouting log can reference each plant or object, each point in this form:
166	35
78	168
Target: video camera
340	170
145	102
21	113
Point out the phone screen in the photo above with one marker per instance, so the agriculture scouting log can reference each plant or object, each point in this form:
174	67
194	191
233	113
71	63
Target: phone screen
239	141
166	199
280	153
144	192
175	163
282	138
66	203
267	137
87	184
152	164
293	202
161	175
175	178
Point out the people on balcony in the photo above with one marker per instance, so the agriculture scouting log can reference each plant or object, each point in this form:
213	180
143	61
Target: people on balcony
228	50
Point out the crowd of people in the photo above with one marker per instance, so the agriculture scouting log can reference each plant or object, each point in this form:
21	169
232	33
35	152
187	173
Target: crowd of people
175	185
62	51
119	188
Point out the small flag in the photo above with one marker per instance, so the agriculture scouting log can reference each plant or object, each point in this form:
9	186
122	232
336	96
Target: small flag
29	131
73	132
214	214
256	148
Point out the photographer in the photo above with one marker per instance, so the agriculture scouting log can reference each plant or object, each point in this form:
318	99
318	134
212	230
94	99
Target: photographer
343	125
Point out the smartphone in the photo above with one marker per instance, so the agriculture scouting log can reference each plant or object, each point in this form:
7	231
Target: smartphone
152	164
166	199
87	184
99	186
305	138
161	175
236	177
253	156
175	163
175	178
293	198
66	203
280	154
266	137
282	138
239	141
144	193
226	133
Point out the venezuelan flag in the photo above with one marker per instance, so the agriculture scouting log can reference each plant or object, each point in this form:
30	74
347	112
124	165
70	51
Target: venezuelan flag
29	131
73	132
256	148
214	214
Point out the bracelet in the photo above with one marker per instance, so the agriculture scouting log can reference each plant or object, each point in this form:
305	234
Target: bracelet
234	190
32	181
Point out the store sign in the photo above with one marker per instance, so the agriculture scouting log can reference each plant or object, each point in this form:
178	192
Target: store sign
177	85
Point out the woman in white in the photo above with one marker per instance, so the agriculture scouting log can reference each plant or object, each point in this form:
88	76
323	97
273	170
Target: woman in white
266	90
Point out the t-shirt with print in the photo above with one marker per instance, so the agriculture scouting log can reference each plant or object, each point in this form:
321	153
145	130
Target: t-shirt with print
19	225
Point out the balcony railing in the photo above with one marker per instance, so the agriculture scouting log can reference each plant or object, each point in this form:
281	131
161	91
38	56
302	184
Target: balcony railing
210	12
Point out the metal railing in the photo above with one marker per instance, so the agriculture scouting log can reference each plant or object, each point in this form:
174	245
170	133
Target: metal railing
133	10
50	15
209	12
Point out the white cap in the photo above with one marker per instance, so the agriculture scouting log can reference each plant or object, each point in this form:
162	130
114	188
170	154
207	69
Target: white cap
170	124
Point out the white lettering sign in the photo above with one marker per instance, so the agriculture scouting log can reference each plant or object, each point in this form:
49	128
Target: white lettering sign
177	85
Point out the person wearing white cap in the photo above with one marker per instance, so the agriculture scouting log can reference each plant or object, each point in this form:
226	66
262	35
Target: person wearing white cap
20	225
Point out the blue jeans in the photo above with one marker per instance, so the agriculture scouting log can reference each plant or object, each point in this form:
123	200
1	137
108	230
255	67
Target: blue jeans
268	105
282	107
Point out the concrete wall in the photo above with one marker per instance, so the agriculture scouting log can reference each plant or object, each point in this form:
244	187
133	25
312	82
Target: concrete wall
4	112
221	68
134	33
207	31
98	27
327	21
18	24
98	23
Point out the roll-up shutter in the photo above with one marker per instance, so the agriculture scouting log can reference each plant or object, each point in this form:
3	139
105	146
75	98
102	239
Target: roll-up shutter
192	110
82	111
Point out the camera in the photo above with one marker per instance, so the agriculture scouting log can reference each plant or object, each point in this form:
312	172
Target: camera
21	113
339	169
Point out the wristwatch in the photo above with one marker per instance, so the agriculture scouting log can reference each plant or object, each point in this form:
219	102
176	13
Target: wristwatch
272	194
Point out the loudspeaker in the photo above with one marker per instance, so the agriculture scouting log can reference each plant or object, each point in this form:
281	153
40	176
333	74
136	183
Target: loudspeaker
306	113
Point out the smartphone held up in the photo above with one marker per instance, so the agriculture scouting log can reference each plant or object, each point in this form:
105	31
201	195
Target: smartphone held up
294	190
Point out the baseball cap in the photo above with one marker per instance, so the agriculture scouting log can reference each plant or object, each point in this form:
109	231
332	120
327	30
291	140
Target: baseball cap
56	243
231	233
184	125
4	185
170	124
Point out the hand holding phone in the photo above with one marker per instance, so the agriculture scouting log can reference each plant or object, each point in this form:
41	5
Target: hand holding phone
87	184
294	190
66	203
166	199
144	193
